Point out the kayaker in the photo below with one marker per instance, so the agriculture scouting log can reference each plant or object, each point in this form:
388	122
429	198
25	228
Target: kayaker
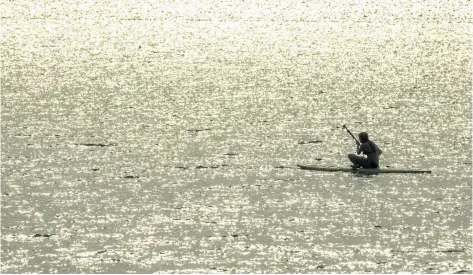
367	147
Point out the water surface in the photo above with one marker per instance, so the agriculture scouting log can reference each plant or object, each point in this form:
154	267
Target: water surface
163	137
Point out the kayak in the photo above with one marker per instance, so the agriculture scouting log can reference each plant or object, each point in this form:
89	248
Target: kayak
361	170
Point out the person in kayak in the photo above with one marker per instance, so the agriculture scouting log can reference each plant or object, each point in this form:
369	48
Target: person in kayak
370	149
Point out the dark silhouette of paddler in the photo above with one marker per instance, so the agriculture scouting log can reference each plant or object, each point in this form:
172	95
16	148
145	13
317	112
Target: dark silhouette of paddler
368	148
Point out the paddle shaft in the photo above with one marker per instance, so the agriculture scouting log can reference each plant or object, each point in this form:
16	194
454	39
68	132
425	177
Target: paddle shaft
350	132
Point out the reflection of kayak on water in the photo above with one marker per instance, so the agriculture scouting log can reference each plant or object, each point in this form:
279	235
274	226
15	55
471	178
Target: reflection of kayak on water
360	170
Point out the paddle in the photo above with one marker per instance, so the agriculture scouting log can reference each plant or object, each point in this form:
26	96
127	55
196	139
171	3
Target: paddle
345	127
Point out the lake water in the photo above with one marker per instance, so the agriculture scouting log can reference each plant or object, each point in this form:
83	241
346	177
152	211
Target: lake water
163	136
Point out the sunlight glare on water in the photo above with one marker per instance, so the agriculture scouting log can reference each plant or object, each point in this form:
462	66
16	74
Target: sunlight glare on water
163	136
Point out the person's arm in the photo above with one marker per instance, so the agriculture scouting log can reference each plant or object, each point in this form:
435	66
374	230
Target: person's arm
358	147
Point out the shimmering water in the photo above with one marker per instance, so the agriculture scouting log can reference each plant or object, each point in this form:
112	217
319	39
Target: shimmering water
163	136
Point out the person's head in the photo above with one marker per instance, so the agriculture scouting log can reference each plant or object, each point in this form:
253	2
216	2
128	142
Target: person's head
363	137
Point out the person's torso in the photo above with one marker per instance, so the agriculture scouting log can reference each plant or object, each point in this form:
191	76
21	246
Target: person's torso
370	149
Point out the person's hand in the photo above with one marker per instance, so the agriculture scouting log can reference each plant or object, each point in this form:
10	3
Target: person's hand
357	143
